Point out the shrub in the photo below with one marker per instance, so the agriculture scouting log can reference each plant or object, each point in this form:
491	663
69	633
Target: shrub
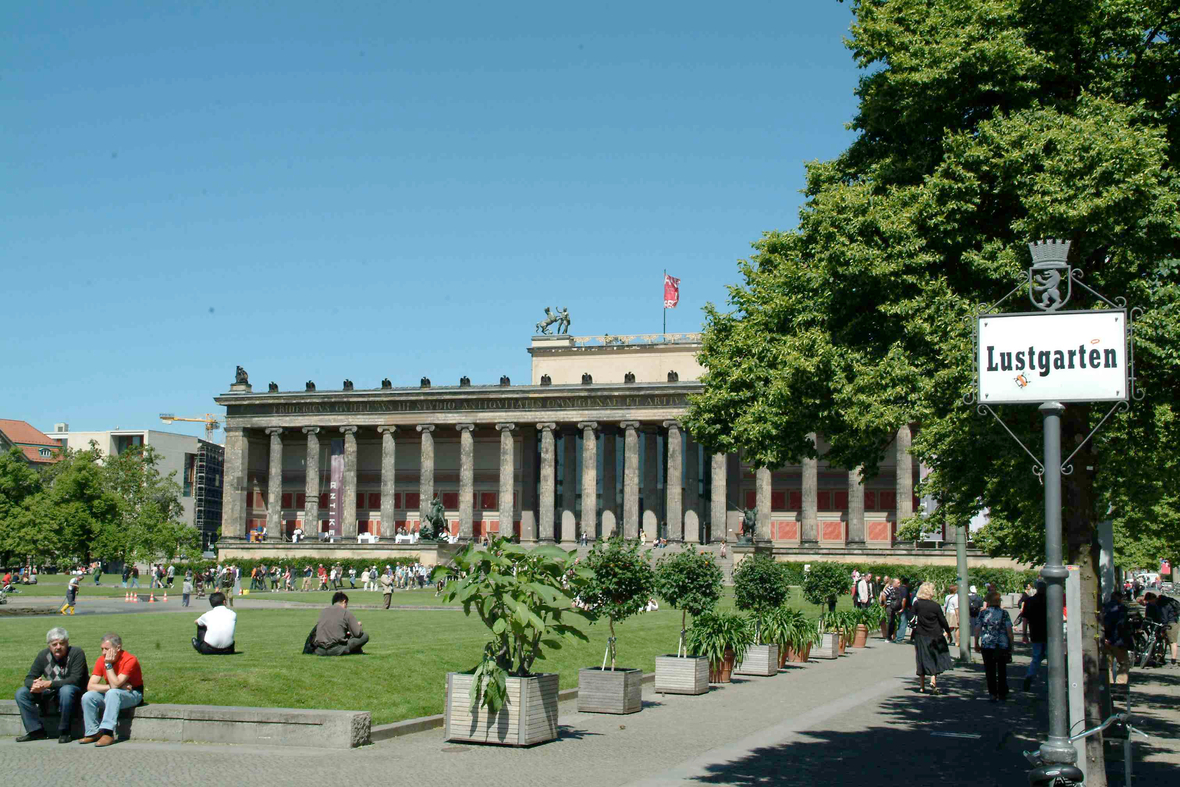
759	585
689	581
824	582
618	585
713	633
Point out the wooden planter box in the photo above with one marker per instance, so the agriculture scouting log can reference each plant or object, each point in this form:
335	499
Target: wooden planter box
760	660
688	675
610	691
829	647
530	715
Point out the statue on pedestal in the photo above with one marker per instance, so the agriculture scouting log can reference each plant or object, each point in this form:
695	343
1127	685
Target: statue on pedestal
435	526
273	387
241	378
563	320
749	526
543	326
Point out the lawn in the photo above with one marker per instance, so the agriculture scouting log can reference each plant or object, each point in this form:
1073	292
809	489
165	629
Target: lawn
402	674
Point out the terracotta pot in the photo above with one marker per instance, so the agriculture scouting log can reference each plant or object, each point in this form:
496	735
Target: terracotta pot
784	655
722	672
862	636
884	629
843	644
807	652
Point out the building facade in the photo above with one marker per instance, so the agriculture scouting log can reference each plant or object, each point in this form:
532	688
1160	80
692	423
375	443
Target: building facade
37	448
587	447
197	464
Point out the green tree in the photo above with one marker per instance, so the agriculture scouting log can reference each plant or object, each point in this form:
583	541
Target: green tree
824	582
18	483
620	585
689	581
980	126
147	524
760	585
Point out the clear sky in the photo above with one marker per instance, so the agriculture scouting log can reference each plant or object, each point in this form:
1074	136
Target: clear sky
330	190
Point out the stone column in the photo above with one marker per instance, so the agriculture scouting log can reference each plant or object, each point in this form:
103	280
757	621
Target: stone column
810	532
569	487
528	485
466	479
507	477
762	486
274	484
717	498
426	472
904	475
651	475
388	479
630	479
311	484
237	461
672	481
348	528
589	478
610	501
856	505
547	483
692	489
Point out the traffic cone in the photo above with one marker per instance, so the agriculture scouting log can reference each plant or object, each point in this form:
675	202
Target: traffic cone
126	597
165	595
152	598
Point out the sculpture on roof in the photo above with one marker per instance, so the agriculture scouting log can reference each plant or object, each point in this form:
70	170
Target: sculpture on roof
563	320
543	326
241	378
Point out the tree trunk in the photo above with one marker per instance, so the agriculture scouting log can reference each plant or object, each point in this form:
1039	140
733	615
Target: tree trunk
1080	533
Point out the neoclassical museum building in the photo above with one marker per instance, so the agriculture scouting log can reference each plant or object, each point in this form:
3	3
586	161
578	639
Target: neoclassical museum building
588	446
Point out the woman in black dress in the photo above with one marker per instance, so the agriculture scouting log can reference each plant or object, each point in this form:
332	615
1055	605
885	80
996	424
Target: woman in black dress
932	653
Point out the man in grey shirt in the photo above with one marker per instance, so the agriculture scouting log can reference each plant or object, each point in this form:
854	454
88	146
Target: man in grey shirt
58	671
338	632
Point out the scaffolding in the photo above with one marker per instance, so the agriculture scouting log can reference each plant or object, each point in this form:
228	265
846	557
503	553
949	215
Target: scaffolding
207	492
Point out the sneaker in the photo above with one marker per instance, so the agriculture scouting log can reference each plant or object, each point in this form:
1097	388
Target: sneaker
1027	684
35	735
64	738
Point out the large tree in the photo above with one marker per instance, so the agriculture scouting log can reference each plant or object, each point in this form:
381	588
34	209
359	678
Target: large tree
981	126
148	524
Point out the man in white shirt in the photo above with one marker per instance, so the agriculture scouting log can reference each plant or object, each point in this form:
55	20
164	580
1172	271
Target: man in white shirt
863	593
215	629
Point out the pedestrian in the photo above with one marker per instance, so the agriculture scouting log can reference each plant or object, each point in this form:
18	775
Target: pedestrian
365	579
352	577
974	605
307	573
892	601
995	643
1028	593
387	589
932	653
186	589
97	572
722	550
863	591
171	575
950	608
1036	613
126	574
71	596
134	576
1116	638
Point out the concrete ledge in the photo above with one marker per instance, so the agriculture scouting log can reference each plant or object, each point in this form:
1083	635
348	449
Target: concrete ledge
332	729
383	732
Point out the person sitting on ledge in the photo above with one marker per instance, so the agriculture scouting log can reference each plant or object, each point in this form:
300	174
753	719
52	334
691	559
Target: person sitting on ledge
215	629
338	632
115	683
58	671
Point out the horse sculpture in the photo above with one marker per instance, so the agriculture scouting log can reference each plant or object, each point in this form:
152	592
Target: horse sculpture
561	318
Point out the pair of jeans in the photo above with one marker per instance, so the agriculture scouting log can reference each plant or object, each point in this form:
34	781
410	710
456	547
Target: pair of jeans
995	666
1038	655
903	624
109	704
30	707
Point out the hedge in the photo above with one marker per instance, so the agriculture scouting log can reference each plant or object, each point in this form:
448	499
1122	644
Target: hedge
1006	580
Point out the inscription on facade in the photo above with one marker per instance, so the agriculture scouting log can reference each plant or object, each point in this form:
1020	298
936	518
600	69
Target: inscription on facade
458	405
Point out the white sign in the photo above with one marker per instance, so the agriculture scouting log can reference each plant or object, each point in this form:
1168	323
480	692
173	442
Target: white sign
1053	357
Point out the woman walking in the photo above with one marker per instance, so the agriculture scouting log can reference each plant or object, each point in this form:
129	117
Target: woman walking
932	654
995	642
950	608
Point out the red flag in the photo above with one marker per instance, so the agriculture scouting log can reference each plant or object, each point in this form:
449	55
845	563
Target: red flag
671	291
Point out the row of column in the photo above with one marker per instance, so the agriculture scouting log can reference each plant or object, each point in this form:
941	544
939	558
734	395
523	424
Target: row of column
237	448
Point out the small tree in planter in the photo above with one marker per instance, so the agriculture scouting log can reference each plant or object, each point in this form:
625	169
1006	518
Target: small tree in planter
824	583
619	584
722	638
691	582
760	585
524	597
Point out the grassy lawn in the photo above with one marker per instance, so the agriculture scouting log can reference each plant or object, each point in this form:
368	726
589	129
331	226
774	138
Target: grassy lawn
402	675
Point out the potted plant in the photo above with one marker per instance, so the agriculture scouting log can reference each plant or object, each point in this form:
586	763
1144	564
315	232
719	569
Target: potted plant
794	633
721	637
868	619
524	597
760	585
824	582
689	581
619	585
842	625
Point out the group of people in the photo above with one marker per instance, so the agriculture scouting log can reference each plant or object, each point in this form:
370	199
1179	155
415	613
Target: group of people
58	675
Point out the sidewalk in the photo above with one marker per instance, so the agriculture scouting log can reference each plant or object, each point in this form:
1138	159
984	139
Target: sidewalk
857	721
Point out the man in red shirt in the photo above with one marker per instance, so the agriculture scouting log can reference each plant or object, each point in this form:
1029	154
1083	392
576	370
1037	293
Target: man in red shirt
115	683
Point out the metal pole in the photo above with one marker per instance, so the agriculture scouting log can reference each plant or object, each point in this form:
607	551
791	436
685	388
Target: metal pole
964	604
1057	749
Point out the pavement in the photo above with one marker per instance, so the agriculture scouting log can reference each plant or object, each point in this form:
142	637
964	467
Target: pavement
857	720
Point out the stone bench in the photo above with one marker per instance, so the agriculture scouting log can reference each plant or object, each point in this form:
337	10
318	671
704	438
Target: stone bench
330	729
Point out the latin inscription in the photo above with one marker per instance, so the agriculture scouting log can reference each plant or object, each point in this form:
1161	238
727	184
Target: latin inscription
457	405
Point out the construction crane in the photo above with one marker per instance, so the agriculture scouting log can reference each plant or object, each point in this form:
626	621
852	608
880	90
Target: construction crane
210	421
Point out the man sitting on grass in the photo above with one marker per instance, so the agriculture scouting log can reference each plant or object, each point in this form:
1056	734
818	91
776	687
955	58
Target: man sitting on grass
338	632
115	683
58	671
215	629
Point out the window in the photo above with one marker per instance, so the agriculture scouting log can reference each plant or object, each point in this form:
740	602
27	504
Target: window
190	474
46	453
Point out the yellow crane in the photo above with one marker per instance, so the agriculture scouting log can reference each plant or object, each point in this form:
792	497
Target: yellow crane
210	421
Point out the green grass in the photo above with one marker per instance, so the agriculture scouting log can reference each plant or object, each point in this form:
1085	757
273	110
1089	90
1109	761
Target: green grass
402	675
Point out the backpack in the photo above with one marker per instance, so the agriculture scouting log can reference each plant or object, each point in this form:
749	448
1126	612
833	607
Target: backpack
974	604
1171	609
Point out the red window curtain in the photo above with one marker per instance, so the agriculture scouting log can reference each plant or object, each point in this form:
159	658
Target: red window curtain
323	501
375	500
301	500
450	500
870	500
796	500
751	498
841	501
778	501
286	499
888	501
413	500
824	500
489	501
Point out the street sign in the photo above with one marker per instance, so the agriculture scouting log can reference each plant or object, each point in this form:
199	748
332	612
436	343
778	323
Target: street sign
1077	356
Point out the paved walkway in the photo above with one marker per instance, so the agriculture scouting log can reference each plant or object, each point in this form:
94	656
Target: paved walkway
856	721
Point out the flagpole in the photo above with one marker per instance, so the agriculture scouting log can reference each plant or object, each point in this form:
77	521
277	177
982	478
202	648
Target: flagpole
664	334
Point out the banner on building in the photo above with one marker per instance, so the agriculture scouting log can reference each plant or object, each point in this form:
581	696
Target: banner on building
671	291
336	488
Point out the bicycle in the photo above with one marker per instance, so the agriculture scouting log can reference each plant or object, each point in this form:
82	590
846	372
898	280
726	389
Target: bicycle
1149	645
1058	775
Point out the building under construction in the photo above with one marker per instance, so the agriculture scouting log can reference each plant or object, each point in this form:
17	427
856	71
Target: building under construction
207	492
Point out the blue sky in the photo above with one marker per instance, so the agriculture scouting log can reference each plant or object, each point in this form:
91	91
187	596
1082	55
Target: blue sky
321	191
